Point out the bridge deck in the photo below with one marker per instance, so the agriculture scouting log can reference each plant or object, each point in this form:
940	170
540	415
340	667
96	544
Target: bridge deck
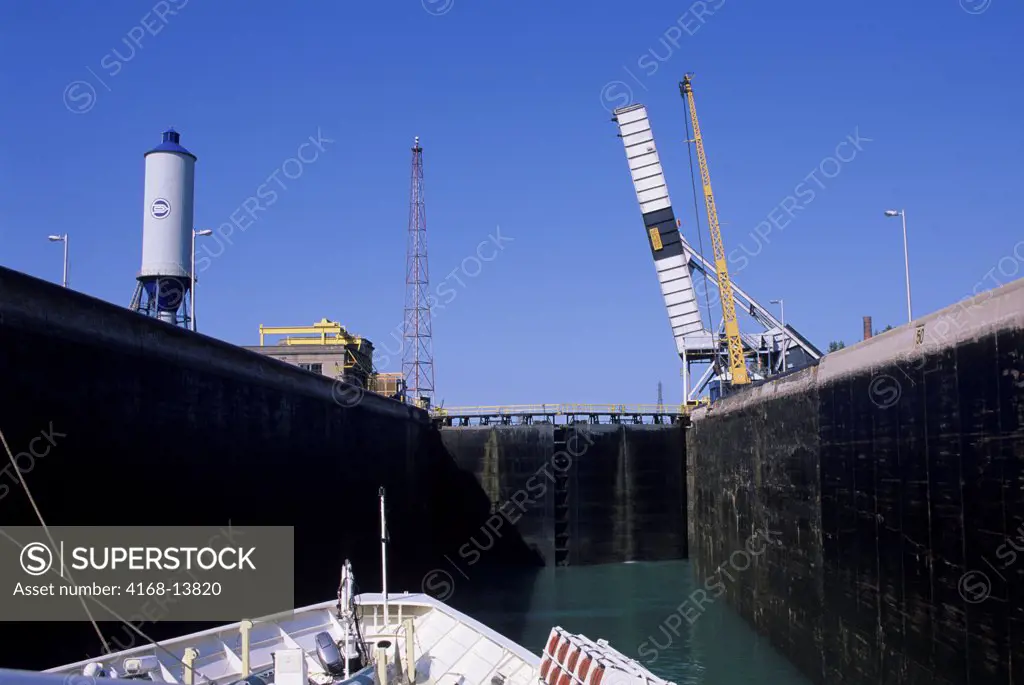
526	414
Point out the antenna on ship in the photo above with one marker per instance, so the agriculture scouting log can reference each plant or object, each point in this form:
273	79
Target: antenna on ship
384	556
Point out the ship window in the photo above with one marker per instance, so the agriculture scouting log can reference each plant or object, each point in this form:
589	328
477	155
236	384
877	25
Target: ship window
315	368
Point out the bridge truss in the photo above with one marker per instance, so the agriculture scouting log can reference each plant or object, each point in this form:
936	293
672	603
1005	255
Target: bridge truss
561	414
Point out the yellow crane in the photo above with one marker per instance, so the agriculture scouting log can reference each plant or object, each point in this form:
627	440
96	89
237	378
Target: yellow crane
737	361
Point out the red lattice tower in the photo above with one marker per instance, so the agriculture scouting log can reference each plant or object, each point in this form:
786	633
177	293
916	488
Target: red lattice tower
418	357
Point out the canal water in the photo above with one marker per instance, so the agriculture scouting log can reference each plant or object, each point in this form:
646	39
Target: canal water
636	607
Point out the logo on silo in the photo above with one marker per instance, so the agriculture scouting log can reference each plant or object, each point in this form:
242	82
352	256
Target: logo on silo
160	208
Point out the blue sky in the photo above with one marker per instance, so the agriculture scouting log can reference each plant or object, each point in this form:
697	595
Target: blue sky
512	100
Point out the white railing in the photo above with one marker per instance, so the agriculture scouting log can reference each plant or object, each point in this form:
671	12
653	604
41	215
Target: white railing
564	409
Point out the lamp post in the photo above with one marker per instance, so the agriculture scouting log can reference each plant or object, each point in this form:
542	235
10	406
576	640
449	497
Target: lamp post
785	334
63	238
192	273
906	255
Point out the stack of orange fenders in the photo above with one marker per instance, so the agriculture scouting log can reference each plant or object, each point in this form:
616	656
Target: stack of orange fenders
569	659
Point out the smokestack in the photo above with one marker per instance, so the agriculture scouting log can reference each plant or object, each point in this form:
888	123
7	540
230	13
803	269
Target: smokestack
867	327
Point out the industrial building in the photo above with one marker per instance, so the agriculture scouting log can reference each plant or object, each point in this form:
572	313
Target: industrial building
328	348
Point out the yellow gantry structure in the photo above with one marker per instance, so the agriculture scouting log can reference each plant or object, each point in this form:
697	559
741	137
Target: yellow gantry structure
323	332
737	361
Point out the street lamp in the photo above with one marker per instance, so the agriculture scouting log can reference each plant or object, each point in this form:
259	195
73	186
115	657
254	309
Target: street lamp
63	238
906	255
192	286
785	334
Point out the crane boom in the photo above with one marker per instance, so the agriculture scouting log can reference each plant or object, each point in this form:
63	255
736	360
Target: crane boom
737	361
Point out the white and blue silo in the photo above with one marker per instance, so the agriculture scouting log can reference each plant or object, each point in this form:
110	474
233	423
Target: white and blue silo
165	277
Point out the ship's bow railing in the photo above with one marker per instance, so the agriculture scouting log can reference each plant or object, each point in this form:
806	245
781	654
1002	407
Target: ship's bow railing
14	677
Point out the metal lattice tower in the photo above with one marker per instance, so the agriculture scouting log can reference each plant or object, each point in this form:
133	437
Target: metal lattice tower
418	359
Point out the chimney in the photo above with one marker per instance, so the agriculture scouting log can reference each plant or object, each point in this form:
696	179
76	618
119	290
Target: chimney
867	327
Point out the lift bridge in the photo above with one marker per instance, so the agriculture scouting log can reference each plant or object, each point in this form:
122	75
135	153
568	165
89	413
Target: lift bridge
767	348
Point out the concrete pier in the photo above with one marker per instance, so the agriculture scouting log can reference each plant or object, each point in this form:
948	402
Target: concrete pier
883	490
143	423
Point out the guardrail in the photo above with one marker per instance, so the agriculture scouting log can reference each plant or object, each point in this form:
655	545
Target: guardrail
563	409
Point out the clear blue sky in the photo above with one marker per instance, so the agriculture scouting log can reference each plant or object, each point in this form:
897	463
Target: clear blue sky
510	101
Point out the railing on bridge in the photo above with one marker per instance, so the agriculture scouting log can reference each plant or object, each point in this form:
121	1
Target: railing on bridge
526	414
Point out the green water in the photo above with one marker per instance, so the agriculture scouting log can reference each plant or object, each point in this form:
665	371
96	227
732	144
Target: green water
631	605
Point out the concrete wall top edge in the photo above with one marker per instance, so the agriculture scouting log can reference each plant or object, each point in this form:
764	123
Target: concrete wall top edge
969	319
32	303
791	384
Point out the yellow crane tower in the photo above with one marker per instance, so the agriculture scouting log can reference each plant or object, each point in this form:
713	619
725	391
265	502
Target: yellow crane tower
737	361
